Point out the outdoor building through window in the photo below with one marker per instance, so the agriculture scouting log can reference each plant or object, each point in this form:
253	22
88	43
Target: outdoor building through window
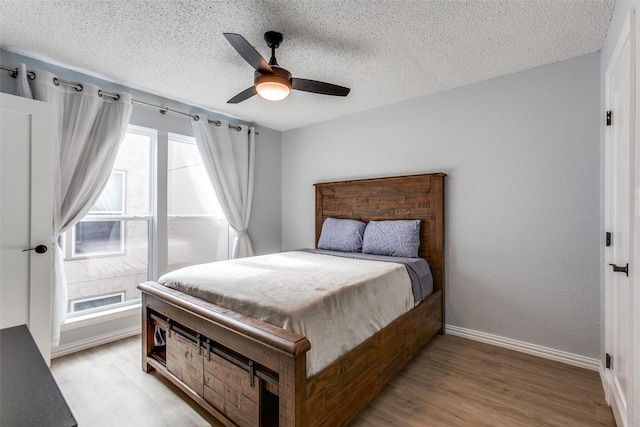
103	237
118	245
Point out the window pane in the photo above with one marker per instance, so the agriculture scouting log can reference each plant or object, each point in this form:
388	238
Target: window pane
189	191
95	302
94	277
94	237
200	232
111	200
135	159
196	241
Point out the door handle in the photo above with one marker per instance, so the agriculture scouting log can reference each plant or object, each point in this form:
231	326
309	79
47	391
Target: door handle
40	249
618	269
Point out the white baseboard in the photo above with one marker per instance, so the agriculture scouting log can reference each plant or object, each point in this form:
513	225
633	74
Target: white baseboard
603	378
524	347
85	344
521	346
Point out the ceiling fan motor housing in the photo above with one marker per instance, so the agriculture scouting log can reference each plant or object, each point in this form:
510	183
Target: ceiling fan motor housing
280	75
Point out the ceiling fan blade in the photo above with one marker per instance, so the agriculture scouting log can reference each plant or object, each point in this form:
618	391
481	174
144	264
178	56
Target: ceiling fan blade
315	86
248	52
244	95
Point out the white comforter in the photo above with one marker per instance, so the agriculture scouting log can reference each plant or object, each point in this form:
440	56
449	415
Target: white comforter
337	303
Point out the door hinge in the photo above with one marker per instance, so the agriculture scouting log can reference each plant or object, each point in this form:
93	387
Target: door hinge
609	118
608	361
607	240
619	269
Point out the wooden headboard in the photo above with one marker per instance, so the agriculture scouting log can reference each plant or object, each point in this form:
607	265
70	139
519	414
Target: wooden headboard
402	197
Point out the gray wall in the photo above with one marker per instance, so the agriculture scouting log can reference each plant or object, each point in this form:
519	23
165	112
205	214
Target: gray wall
522	194
522	155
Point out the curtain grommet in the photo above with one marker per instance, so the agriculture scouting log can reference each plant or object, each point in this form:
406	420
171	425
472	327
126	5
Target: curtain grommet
115	96
77	86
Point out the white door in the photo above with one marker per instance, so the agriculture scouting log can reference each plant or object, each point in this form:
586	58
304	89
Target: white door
619	164
26	216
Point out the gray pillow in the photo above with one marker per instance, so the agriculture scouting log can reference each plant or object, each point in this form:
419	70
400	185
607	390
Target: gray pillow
392	238
341	235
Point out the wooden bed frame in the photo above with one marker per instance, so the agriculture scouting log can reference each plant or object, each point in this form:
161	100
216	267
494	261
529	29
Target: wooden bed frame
274	358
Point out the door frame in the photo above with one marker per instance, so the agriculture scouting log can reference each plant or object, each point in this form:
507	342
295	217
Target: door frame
40	265
628	32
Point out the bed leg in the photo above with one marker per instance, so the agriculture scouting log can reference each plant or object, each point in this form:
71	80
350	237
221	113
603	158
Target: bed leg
442	306
292	390
147	336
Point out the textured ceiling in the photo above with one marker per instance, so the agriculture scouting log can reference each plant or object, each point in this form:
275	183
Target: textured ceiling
385	51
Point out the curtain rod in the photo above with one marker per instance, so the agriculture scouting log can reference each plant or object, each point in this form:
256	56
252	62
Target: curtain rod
13	72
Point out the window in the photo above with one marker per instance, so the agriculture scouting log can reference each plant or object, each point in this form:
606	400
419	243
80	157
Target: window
107	252
98	237
121	241
96	302
198	231
94	237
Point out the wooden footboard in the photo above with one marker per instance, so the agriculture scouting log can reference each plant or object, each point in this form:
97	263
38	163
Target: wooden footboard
249	373
268	359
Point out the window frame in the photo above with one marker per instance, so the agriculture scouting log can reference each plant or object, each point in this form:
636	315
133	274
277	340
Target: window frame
149	218
157	218
70	234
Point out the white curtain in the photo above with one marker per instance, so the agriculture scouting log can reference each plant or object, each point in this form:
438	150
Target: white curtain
88	130
228	156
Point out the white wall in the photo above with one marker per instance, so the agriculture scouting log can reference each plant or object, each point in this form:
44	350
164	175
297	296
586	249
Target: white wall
522	194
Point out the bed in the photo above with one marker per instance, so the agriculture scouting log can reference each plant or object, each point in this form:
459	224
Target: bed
247	372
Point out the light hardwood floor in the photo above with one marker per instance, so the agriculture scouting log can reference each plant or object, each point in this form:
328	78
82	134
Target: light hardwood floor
451	382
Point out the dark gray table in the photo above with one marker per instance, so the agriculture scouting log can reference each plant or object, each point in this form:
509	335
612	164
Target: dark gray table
29	396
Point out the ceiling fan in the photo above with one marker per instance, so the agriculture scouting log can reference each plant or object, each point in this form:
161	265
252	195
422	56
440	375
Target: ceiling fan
270	80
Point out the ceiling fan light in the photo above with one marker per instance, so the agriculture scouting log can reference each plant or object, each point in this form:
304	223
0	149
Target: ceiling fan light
273	87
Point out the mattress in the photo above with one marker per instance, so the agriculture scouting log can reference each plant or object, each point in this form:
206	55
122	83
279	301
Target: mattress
336	302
